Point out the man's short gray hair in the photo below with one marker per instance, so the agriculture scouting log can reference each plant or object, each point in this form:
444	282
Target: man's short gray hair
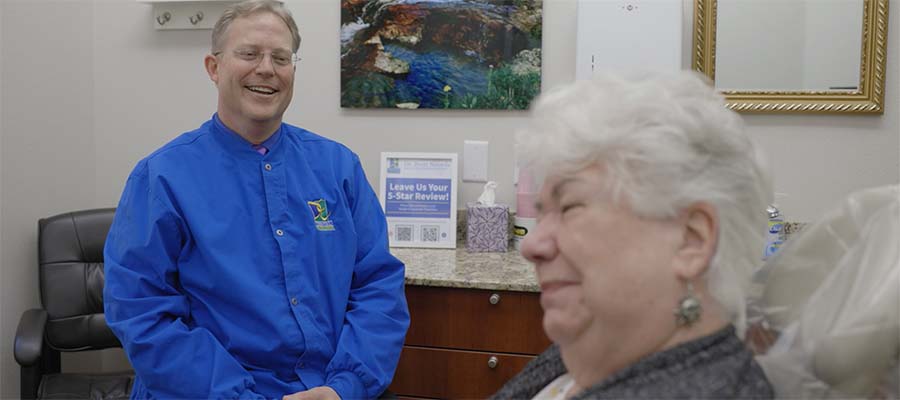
250	7
667	141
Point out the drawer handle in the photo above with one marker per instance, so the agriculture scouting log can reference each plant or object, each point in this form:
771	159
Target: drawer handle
492	362
495	298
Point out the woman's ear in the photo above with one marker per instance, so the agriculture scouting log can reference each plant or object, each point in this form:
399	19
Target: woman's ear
699	239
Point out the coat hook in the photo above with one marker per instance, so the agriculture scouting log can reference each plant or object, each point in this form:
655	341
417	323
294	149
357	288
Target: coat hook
163	18
196	18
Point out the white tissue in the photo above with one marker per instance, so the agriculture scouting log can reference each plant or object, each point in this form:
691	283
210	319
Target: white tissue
488	195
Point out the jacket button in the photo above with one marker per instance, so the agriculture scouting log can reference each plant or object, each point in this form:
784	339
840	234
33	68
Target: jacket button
279	232
294	301
268	167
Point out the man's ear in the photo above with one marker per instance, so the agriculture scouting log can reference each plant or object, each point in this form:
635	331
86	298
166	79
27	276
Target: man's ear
699	240
212	67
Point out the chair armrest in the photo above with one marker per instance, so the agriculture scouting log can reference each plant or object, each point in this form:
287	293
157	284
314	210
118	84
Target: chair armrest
29	341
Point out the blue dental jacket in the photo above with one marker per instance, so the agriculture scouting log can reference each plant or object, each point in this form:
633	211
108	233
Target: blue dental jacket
231	274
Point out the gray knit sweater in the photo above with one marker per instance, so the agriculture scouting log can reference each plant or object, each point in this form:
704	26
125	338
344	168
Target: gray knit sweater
717	366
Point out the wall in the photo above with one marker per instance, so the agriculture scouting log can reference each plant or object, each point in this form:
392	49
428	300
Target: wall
3	349
181	95
47	130
92	97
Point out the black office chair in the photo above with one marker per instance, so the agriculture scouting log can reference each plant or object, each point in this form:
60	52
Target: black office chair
70	268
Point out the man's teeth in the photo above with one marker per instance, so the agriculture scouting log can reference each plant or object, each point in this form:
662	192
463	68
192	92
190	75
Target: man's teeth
260	89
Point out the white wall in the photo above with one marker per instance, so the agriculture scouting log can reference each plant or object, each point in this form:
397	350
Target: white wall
154	84
99	88
47	139
3	353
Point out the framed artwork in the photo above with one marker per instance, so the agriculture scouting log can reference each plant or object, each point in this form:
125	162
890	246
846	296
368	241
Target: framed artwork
444	54
418	195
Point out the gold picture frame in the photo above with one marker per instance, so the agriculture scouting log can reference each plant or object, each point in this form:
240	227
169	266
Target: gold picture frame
868	98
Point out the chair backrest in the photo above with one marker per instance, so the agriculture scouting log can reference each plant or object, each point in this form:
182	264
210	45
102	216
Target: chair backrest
70	259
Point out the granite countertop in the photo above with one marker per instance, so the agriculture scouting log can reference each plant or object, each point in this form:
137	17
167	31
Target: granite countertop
458	268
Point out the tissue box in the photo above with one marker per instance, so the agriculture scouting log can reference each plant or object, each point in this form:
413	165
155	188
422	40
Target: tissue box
487	227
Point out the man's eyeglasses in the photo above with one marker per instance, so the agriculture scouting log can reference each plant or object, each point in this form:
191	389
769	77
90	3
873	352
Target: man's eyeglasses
279	58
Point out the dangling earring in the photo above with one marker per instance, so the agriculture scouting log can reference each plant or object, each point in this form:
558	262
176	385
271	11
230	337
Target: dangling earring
689	308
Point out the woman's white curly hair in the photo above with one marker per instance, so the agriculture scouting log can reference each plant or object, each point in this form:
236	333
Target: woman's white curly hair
667	141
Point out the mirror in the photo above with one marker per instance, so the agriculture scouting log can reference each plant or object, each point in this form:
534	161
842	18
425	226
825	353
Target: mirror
794	56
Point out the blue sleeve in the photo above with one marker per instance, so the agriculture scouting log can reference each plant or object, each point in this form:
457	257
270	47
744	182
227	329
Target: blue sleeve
377	316
146	309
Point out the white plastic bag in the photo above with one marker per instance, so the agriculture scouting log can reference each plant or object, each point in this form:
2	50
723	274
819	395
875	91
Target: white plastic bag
832	297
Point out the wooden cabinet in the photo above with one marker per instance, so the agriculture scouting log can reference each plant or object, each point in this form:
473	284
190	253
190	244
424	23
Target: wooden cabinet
466	343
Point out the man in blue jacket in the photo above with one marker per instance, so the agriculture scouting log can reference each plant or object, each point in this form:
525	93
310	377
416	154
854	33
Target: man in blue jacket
248	258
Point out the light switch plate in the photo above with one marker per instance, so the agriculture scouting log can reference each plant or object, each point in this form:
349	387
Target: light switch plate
475	161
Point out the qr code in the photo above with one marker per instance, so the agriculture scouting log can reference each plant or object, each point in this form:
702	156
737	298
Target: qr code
430	233
403	233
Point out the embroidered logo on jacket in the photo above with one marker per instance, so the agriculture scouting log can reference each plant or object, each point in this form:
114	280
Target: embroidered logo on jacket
319	210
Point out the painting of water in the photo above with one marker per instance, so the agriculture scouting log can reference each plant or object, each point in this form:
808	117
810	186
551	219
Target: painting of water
449	54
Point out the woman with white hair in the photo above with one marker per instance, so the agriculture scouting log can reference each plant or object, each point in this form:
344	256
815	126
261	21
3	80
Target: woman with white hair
651	221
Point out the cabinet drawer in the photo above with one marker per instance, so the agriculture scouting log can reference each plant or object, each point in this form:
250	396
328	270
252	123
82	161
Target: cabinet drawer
467	319
442	373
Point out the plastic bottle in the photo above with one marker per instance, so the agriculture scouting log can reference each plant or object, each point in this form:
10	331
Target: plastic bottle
775	234
525	211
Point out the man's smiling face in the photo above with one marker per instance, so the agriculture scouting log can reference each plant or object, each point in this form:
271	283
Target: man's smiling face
254	91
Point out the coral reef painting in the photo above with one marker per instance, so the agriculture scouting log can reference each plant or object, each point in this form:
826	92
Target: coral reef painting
456	54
